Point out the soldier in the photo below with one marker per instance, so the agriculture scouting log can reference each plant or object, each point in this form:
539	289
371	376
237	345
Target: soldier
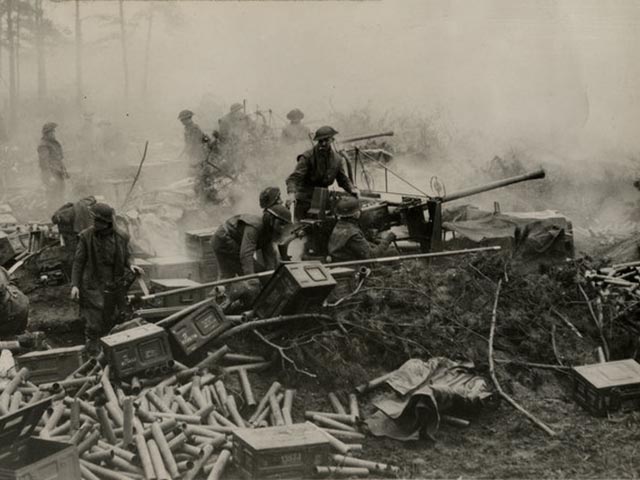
318	167
347	242
14	307
194	139
100	267
235	126
269	197
295	132
241	236
71	219
52	168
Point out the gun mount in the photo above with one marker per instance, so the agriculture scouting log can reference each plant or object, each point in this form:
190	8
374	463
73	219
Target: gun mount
378	215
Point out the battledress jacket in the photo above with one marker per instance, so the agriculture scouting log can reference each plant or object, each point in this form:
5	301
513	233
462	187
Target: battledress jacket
243	235
98	261
347	242
194	147
317	169
50	157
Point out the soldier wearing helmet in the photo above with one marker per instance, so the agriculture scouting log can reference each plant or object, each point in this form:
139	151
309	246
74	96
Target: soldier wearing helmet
101	262
295	132
241	236
269	197
347	242
318	167
52	169
194	139
235	126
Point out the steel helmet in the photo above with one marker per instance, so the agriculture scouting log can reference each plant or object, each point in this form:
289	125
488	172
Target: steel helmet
269	197
295	114
184	114
325	132
281	212
49	126
102	212
347	207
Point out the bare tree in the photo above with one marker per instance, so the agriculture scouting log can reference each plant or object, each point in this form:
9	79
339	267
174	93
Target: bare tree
125	65
40	53
79	90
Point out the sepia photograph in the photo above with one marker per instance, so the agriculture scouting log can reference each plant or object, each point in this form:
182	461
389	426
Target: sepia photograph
267	239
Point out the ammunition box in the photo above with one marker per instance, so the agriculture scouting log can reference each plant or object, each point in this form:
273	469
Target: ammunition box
602	388
23	457
12	245
199	245
290	451
174	267
295	287
197	329
51	365
176	299
345	282
141	349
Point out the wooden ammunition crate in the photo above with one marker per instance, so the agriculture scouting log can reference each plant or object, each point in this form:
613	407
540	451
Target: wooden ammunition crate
197	329
137	350
294	287
607	387
51	365
199	243
290	451
177	299
174	267
23	457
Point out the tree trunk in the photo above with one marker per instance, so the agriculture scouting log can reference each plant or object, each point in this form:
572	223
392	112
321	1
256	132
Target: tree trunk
13	114
145	85
79	90
40	55
124	54
18	52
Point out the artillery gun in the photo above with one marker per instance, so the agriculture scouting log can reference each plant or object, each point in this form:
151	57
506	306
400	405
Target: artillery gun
420	214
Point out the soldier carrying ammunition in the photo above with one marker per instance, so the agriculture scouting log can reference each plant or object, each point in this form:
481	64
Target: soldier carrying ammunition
347	241
318	167
100	271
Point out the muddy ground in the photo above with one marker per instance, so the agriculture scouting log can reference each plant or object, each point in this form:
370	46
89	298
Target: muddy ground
500	442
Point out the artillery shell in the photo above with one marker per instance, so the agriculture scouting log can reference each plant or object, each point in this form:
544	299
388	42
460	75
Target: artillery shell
275	410
144	456
105	425
87	474
127	421
164	449
233	412
247	367
264	401
247	391
376	382
335	403
185	465
62	429
74	415
193	473
344	435
336	444
88	442
156	460
348	419
328	422
157	402
221	463
98	455
191	450
56	415
120	452
185	406
383	468
342	471
354	410
213	358
16	401
103	472
177	442
135	385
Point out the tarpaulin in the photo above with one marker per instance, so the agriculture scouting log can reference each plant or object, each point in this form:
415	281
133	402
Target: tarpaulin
420	392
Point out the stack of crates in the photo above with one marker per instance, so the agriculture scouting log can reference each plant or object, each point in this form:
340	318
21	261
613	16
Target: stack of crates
199	244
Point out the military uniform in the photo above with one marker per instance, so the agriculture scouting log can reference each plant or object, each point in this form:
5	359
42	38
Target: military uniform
71	219
347	242
234	127
294	133
14	307
52	169
193	143
100	263
235	243
316	168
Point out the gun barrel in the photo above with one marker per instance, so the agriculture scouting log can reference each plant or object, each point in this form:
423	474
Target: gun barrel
368	137
494	185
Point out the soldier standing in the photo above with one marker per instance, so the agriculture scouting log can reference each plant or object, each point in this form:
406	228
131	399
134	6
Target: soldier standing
235	126
194	139
52	168
296	131
98	279
14	307
347	242
318	167
71	219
